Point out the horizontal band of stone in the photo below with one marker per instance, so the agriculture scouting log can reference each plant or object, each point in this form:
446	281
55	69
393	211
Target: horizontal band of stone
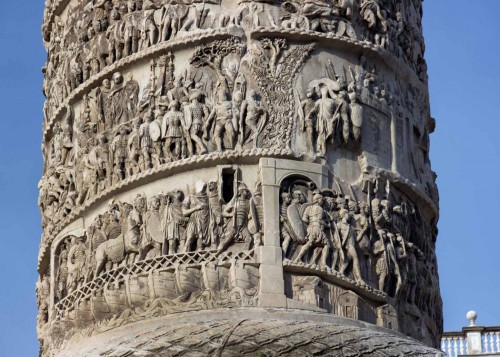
196	37
118	275
337	278
171	168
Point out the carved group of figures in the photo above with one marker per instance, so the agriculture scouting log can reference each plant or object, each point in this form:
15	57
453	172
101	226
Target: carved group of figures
166	224
123	130
330	113
98	33
371	241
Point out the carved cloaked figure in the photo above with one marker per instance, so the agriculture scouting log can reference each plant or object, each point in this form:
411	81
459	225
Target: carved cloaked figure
172	222
172	132
196	209
196	114
325	124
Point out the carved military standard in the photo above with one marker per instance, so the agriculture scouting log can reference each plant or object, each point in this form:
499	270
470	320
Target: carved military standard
242	177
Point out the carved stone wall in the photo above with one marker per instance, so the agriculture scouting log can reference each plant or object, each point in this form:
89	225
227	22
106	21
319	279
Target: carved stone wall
217	154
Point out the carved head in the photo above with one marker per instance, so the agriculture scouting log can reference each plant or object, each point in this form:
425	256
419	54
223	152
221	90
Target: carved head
131	5
286	198
106	84
298	197
140	203
318	198
212	185
115	14
117	78
154	203
174	105
200	187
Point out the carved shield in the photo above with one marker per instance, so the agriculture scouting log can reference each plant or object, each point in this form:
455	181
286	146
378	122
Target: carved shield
153	228
357	115
154	131
296	224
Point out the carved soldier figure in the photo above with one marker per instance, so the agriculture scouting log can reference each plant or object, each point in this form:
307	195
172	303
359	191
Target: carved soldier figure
153	236
356	114
115	37
316	220
43	295
386	259
414	255
172	221
342	119
196	208
257	8
348	238
215	206
238	212
131	24
325	124
98	234
307	117
117	101
133	231
172	132
256	224
87	182
104	105
62	273
252	115
150	32
120	152
76	263
178	92
222	115
196	113
146	141
104	164
285	230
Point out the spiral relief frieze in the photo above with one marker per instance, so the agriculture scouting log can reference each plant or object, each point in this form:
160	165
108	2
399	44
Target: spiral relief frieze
220	154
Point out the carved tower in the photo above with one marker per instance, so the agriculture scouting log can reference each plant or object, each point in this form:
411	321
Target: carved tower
237	177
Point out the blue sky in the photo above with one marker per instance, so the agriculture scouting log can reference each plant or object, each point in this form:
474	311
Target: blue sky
462	54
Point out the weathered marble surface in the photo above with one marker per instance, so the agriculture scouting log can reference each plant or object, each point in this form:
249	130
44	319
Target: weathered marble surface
244	332
205	155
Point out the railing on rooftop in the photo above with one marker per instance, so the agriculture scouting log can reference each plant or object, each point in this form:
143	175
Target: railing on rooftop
473	340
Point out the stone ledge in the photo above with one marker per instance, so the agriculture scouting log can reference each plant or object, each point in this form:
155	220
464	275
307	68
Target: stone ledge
337	278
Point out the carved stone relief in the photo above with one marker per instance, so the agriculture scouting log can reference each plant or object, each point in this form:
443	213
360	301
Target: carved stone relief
308	125
371	235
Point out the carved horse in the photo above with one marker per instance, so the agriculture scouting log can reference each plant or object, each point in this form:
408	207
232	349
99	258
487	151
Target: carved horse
124	248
